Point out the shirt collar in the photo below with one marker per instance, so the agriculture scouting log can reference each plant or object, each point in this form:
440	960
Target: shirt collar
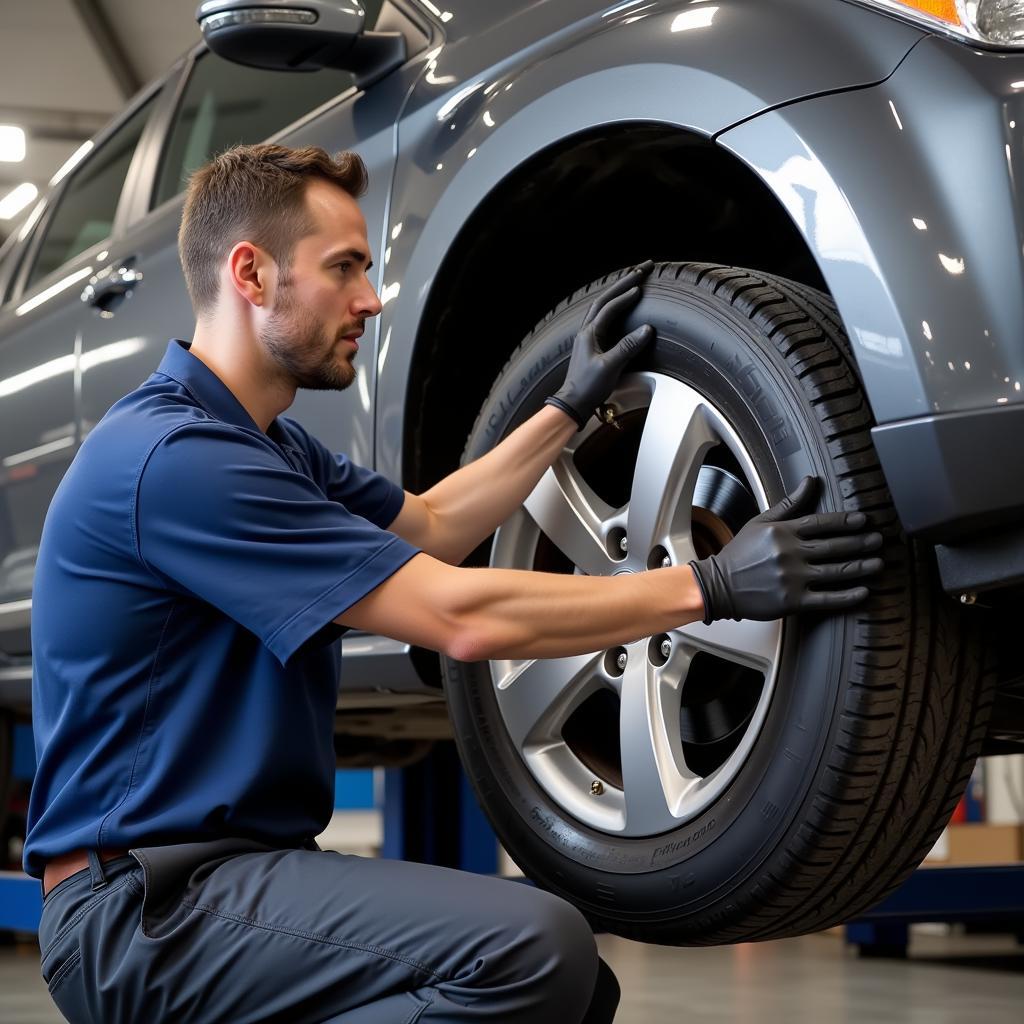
210	391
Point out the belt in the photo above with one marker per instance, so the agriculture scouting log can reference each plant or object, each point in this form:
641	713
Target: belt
68	864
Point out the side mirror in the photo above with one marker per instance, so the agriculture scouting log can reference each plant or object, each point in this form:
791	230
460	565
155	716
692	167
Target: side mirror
299	35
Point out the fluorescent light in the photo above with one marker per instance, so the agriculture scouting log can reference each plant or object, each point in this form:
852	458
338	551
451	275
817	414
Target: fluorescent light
71	161
17	199
12	143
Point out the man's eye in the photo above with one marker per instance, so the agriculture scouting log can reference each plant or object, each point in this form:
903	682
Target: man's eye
344	267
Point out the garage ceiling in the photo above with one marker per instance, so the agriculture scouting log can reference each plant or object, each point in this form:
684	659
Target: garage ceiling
67	66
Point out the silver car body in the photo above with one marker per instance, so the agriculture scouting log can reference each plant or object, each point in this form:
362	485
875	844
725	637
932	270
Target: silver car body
893	153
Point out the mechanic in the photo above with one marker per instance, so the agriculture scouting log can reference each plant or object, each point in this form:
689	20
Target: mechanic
198	560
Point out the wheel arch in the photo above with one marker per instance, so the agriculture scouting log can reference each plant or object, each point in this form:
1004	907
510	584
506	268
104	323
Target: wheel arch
549	227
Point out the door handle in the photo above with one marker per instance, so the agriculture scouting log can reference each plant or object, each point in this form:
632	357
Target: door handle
106	290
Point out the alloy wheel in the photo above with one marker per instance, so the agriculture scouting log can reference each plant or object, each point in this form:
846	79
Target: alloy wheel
637	740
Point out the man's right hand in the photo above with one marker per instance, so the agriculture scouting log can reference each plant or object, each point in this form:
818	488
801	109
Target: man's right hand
769	568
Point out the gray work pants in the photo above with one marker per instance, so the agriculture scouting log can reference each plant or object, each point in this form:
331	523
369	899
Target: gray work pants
238	932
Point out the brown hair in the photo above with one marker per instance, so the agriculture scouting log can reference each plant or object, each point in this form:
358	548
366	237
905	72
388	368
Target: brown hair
256	193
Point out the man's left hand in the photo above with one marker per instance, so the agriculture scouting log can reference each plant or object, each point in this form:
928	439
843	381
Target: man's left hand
593	372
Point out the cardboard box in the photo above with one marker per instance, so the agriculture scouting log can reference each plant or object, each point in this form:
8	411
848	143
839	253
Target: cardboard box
985	844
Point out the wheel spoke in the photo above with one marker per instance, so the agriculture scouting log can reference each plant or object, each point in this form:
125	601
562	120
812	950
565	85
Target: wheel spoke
536	697
677	433
571	515
746	642
655	778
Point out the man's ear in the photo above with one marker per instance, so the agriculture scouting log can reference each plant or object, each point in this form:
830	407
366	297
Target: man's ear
251	272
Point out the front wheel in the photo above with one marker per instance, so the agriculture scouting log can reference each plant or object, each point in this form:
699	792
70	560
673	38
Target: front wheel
737	781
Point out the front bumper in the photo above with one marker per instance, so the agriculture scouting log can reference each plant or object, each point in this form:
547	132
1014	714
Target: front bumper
957	475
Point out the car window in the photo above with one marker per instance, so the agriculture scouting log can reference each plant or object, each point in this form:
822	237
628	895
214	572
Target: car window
226	103
85	210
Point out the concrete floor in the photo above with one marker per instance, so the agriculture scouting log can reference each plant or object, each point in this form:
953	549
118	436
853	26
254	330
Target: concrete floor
812	980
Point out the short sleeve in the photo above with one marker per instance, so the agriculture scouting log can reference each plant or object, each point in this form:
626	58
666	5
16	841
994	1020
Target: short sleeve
220	514
360	490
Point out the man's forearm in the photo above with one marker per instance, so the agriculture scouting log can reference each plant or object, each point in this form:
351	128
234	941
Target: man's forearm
475	614
471	503
517	614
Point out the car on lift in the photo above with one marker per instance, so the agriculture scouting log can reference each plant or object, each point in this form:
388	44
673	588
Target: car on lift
831	189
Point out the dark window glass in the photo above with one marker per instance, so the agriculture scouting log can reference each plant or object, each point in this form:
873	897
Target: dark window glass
85	211
225	104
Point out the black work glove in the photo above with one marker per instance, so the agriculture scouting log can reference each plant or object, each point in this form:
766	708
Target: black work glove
594	372
766	570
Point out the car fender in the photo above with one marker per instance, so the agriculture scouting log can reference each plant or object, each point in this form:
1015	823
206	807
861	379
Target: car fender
913	213
477	115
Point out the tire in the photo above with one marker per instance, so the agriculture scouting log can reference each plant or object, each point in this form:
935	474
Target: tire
805	767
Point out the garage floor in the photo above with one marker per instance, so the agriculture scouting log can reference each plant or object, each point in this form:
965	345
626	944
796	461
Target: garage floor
948	980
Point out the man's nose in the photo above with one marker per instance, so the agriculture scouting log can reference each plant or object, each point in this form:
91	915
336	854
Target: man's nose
368	304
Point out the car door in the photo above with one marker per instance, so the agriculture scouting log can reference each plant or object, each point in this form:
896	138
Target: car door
221	104
41	331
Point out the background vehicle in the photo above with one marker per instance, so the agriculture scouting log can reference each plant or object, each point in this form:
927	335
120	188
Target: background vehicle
827	189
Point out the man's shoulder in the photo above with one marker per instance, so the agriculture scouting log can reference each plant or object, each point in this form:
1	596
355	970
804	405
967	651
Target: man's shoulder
139	422
97	494
161	415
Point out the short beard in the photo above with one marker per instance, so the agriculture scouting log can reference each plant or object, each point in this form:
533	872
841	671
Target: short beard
301	348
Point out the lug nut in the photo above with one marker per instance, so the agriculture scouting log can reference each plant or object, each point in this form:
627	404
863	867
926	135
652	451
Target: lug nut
658	558
658	649
596	788
623	544
968	598
614	661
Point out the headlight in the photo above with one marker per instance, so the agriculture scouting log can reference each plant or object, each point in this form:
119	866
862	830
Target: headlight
989	22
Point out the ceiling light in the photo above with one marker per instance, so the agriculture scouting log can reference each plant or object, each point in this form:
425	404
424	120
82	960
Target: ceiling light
12	143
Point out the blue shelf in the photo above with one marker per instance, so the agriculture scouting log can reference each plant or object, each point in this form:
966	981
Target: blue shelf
21	902
956	895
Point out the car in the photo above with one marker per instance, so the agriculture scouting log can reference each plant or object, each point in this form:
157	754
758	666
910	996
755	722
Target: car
831	191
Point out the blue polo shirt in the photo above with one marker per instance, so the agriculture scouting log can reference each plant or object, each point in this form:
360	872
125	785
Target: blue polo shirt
185	662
